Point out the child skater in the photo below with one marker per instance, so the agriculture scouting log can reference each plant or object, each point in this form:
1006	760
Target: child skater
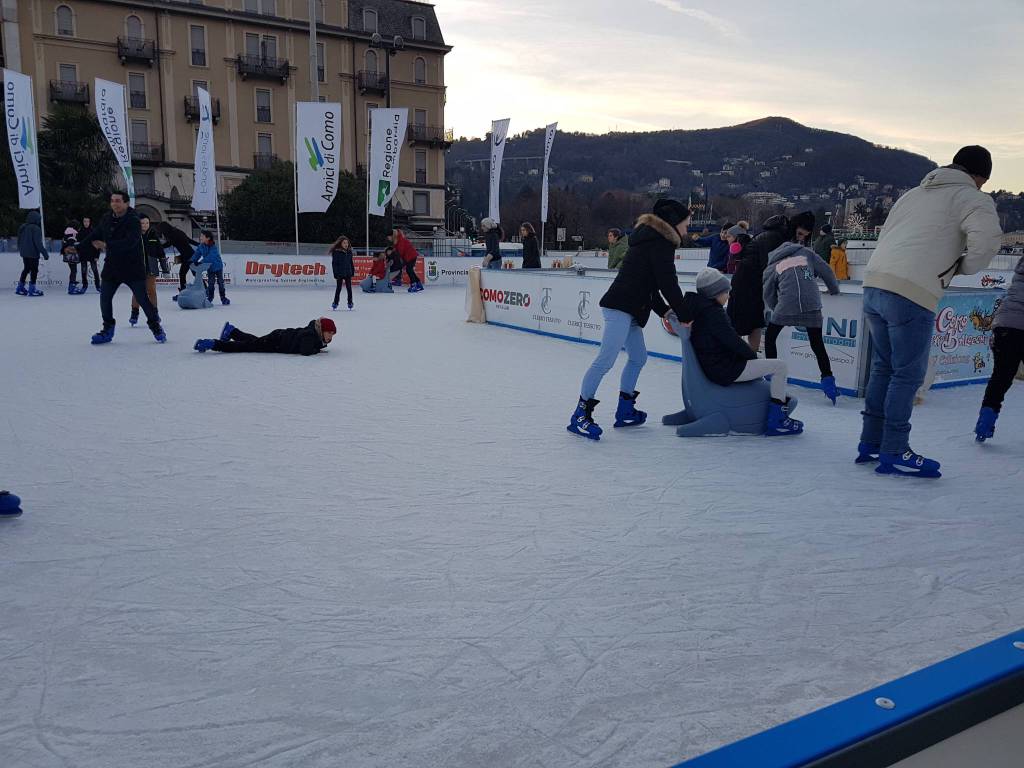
207	252
344	269
310	340
69	250
1008	351
791	295
724	357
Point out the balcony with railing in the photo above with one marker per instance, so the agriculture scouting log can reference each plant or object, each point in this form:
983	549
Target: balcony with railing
263	161
136	49
372	82
262	67
145	153
431	135
69	92
137	99
192	110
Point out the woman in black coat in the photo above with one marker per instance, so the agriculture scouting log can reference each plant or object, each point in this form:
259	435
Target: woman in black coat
344	268
183	243
746	298
531	247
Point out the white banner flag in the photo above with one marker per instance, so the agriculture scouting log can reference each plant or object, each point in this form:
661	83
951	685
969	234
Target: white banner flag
20	117
318	134
499	132
387	132
549	139
204	195
110	111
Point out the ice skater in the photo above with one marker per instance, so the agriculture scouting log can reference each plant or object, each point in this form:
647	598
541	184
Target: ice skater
207	252
920	251
746	299
1008	351
344	269
69	251
646	282
87	256
791	295
407	252
10	505
723	355
120	235
156	262
31	247
306	341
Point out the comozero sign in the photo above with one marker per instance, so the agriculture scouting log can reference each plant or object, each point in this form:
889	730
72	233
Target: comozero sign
505	298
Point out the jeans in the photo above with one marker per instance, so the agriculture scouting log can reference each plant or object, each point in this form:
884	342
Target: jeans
138	288
211	277
777	369
901	336
620	330
1008	351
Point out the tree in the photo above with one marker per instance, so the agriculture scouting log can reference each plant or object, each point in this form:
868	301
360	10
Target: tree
262	208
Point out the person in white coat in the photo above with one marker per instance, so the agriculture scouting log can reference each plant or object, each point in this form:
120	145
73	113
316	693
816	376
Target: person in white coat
945	227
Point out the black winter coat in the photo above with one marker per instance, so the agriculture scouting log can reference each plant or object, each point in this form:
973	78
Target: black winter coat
531	252
721	352
297	341
126	256
182	242
647	278
85	250
342	264
746	297
154	251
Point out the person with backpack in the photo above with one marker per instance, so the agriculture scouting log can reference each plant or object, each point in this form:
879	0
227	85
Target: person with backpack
155	259
88	256
31	247
120	235
792	297
69	252
1008	354
344	269
207	252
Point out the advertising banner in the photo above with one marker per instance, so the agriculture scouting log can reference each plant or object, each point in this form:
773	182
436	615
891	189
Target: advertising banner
294	271
387	133
963	333
318	130
549	140
499	132
19	115
204	195
110	111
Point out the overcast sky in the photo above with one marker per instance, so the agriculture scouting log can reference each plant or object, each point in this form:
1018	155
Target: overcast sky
924	76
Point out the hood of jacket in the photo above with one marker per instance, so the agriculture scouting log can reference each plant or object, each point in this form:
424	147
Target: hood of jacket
778	223
948	177
784	251
651	227
33	218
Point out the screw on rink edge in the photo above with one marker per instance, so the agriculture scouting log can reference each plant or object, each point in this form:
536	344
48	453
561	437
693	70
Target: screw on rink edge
1019	645
885	703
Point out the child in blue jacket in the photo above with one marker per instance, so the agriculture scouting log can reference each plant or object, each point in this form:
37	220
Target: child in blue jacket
207	252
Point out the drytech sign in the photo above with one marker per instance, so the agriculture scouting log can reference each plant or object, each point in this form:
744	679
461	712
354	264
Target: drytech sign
285	269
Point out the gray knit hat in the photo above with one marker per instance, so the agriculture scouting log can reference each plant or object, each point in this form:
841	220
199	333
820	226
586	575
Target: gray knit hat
712	283
736	231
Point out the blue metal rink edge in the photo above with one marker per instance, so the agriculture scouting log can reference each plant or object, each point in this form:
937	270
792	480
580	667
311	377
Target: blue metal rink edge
834	728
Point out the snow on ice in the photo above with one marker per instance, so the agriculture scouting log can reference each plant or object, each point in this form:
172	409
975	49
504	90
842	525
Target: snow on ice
394	554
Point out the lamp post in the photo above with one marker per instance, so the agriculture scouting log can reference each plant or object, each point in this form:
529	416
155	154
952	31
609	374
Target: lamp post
391	48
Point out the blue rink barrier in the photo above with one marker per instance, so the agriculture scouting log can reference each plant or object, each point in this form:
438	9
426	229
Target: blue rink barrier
936	710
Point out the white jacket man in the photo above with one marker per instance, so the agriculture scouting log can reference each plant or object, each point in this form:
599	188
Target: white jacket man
921	248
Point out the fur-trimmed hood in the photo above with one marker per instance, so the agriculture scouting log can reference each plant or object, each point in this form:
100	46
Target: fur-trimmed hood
649	226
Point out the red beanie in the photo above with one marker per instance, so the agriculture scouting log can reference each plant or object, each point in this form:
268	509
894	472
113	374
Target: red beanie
326	324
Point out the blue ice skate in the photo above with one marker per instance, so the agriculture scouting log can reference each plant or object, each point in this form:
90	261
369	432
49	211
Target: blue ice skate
582	421
203	345
828	385
907	464
225	332
779	423
626	415
10	505
985	429
867	453
33	291
21	290
105	336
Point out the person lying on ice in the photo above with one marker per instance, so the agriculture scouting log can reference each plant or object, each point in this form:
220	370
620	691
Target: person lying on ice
310	340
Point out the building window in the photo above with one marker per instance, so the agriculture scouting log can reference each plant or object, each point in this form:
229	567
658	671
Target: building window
263	106
143	182
369	20
419	68
321	63
421	203
68	73
136	90
320	11
369	118
139	132
133	27
264	7
371	61
419	28
196	85
421	166
420	117
65	21
265	144
268	47
197	37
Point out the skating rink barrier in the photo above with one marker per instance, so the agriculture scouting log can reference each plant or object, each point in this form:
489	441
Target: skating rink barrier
965	712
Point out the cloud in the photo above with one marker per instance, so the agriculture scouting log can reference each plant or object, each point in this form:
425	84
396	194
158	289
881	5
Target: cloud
722	25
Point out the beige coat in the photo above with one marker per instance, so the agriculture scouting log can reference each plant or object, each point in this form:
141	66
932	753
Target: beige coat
921	248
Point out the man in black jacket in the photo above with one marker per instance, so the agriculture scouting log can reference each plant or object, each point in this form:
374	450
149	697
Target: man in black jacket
120	235
285	341
646	282
183	243
746	299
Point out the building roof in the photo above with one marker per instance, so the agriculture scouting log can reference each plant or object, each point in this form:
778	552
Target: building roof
394	17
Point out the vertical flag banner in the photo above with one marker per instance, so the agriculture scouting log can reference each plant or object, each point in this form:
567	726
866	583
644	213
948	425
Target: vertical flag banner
499	132
317	147
204	196
111	113
21	137
549	139
386	137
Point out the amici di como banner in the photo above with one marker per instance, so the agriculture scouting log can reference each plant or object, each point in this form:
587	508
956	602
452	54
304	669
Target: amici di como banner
19	117
318	130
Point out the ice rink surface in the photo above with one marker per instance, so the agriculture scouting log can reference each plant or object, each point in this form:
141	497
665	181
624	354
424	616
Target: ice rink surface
394	554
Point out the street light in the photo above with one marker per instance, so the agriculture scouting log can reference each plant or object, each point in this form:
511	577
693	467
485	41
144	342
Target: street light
392	47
